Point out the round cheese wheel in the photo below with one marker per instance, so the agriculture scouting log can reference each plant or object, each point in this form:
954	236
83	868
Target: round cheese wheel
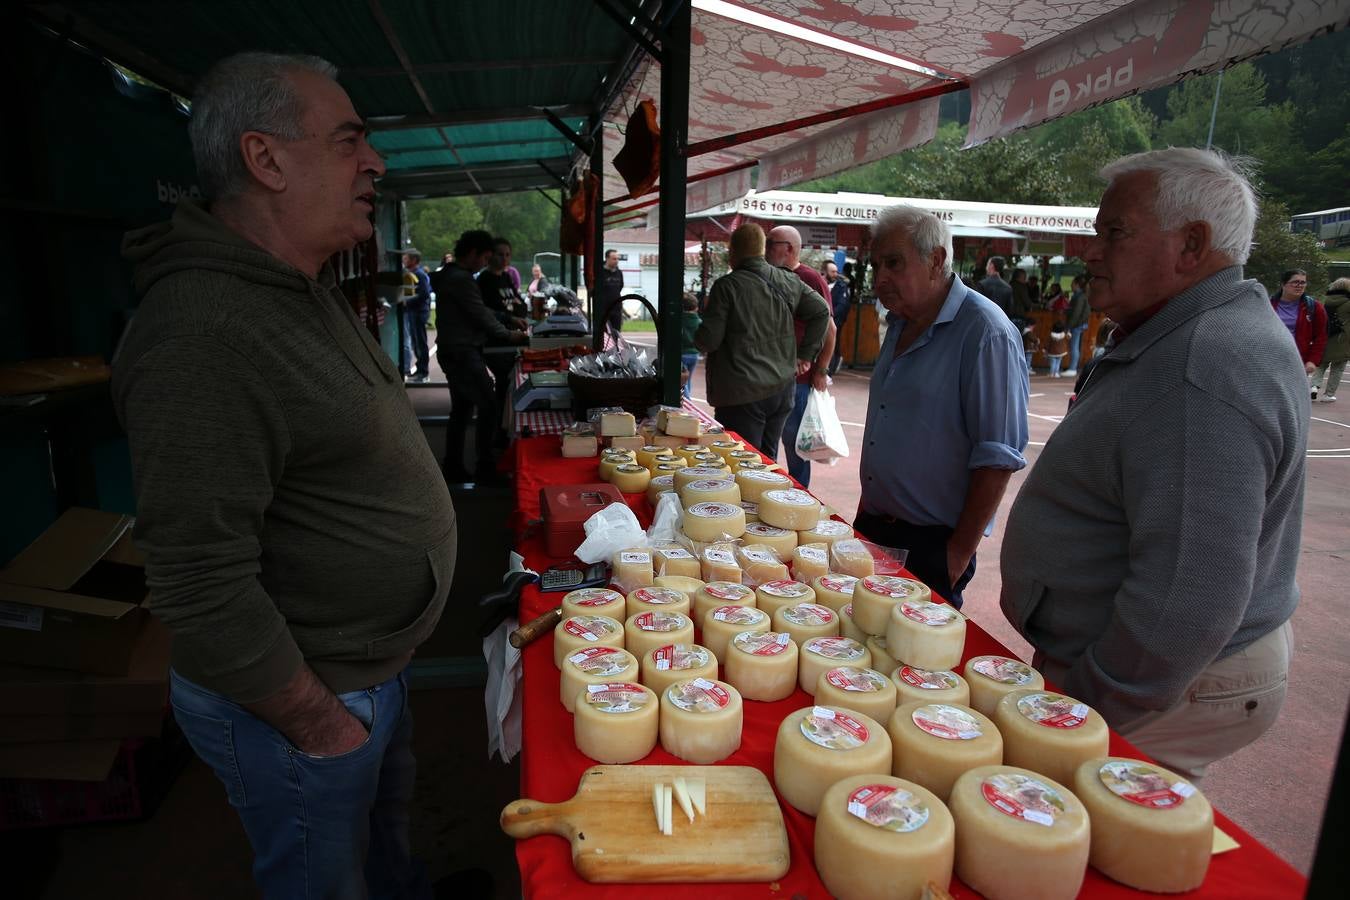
1022	835
881	656
756	465
762	665
936	742
1151	828
826	532
880	838
1049	733
780	540
711	490
630	478
664	599
865	690
809	562
720	593
819	745
593	602
804	621
616	722
719	564
925	634
670	558
759	564
713	521
576	632
914	685
725	622
834	591
670	663
756	482
594	665
789	508
819	655
612	459
659	485
687	586
850	556
782	592
701	720
648	456
751	510
709	459
688	452
724	448
847	627
742	456
874	596
689	474
645	631
671	467
990	677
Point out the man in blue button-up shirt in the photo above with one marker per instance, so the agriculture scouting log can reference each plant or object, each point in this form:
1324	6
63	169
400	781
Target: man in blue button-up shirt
947	413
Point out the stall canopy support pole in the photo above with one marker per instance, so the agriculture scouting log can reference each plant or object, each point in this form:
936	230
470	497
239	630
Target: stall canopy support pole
596	258
674	167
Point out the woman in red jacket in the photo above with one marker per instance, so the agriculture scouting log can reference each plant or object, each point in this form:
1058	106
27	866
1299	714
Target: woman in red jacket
1305	318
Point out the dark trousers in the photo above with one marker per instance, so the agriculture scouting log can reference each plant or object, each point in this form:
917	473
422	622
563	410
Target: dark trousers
471	391
927	546
417	328
760	423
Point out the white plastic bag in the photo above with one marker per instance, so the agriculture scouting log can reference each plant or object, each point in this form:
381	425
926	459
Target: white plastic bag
502	695
666	522
821	435
612	529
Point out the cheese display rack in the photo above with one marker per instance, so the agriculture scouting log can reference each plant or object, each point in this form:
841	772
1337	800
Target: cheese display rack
552	766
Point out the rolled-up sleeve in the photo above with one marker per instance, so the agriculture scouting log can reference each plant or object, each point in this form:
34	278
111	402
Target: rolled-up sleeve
994	400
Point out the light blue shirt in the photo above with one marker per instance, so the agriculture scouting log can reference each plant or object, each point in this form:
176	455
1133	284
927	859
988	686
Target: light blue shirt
955	400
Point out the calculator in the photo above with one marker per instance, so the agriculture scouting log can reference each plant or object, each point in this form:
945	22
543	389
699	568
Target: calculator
571	578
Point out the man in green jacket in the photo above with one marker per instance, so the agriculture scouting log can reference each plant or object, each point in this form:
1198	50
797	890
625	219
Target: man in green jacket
748	335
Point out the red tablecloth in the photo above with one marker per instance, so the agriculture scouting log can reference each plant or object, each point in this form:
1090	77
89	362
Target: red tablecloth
551	766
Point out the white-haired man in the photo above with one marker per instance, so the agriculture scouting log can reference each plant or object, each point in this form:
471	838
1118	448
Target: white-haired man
1150	555
947	411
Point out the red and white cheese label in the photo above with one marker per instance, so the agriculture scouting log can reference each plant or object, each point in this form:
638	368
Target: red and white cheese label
759	529
850	678
726	590
1004	670
599	661
792	497
712	510
808	614
680	656
889	586
886	807
1023	797
929	680
620	697
708	484
592	597
813	554
660	621
781	587
762	643
658	596
1053	710
932	614
947	722
589	628
698	695
836	648
760	556
833	729
830	528
1143	785
738	615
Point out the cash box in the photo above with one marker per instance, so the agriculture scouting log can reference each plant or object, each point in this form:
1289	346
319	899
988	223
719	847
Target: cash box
566	507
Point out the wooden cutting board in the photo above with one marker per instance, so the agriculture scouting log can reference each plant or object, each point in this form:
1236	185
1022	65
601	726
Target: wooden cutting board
612	826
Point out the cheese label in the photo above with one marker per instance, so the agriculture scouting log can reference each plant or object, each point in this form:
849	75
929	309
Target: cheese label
692	448
738	615
751	509
680	656
850	678
759	528
1053	710
660	621
726	445
726	590
762	643
765	475
658	596
829	527
887	585
812	554
676	553
888	808
792	497
713	510
1004	670
832	729
947	722
1143	785
782	587
1023	797
631	468
721	557
589	628
594	597
836	648
928	680
635	556
932	614
698	695
808	614
847	611
601	661
670	467
744	454
760	556
652	448
620	697
704	473
708	484
749	466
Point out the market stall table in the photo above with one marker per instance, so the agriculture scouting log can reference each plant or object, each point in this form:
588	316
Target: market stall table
551	766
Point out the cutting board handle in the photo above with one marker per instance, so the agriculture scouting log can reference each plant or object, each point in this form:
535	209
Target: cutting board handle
527	818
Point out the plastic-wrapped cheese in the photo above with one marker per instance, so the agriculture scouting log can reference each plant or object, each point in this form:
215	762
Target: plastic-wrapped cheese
850	556
668	664
594	602
780	540
866	690
789	508
915	685
809	562
713	521
646	631
682	424
819	655
659	485
990	677
618	424
804	621
632	568
759	564
876	594
701	720
616	723
771	596
575	632
926	634
662	599
685	585
630	478
936	742
594	665
719	564
1151	829
711	490
881	838
819	745
1022	835
762	665
834	591
847	627
826	531
1049	733
881	654
725	622
670	558
689	474
612	459
720	593
756	482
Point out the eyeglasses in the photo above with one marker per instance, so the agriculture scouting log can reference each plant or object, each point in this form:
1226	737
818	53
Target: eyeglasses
1297	283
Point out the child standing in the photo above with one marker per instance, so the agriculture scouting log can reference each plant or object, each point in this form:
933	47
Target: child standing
1030	343
1057	348
689	322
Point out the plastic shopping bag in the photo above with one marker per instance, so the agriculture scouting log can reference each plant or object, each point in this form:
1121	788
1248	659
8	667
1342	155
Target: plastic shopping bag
821	435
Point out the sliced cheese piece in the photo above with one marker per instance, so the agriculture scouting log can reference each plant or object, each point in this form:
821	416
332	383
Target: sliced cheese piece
847	627
719	564
725	622
682	797
594	665
818	745
866	690
575	632
876	594
659	485
667	827
720	593
990	677
826	531
881	656
670	558
632	568
616	722
789	508
668	441
771	596
759	564
834	591
630	478
594	602
663	599
819	655
645	631
850	556
804	621
1050	733
711	490
670	663
809	562
682	424
780	540
762	665
685	585
658	797
915	685
713	521
698	795
756	482
618	424
936	742
926	634
632	442
880	838
689	474
701	720
1022	835
576	446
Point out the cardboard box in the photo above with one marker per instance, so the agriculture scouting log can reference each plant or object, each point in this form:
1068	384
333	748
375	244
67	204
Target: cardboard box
75	598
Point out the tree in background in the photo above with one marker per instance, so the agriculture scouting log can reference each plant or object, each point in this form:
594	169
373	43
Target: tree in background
435	225
527	219
1086	141
1275	250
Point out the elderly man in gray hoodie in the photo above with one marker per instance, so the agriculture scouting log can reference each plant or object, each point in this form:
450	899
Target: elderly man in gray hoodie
1150	555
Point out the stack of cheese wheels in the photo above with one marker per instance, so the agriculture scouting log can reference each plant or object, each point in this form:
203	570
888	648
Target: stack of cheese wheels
662	599
725	447
751	511
762	665
847	627
725	622
925	634
666	665
670	558
789	508
630	478
780	593
720	593
818	745
990	677
1050	733
780	540
612	459
594	665
753	465
874	596
1022	834
879	838
850	556
819	655
711	490
616	722
689	474
881	655
737	458
594	602
632	568
660	484
826	531
760	564
671	467
834	591
645	631
866	690
714	521
804	621
755	483
1151	829
701	720
810	561
688	452
576	632
650	455
915	685
936	742
719	564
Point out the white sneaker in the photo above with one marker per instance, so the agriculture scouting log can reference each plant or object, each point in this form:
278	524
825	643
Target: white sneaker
1070	373
1329	398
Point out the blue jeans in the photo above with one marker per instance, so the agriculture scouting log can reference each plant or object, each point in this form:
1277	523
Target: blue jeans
690	362
797	467
321	827
1075	345
1054	364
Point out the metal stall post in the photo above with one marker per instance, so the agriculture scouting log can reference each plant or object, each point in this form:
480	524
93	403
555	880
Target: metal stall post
674	145
596	259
